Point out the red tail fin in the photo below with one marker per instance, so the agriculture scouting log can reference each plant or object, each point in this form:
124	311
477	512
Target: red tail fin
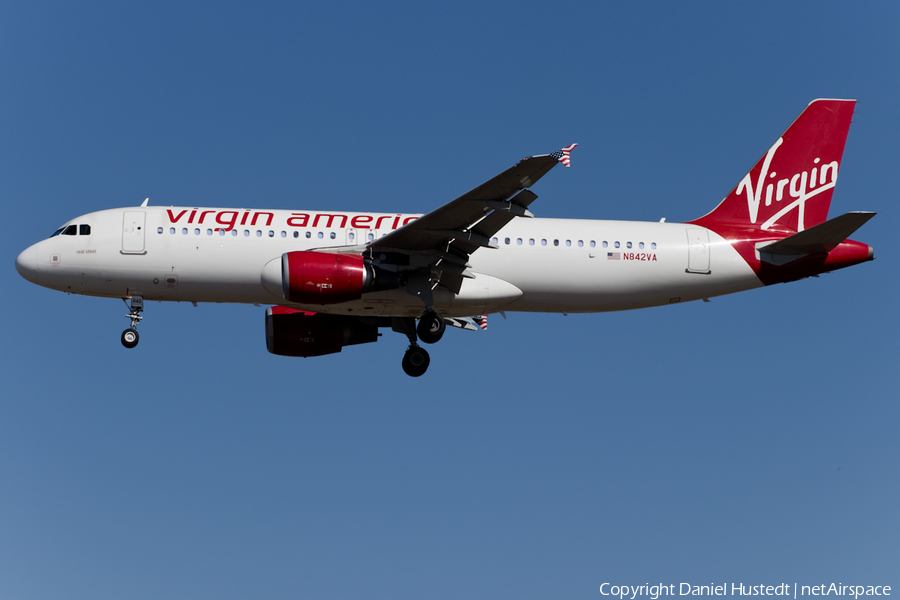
790	187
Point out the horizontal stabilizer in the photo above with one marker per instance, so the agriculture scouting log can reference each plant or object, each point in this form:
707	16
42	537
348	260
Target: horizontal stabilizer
822	238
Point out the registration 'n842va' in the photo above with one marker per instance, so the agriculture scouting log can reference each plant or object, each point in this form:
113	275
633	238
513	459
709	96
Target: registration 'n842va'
641	256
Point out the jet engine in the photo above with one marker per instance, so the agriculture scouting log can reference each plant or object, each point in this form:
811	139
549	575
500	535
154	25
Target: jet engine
326	278
292	332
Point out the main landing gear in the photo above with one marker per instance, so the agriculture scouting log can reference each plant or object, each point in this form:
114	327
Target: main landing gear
415	361
430	329
130	336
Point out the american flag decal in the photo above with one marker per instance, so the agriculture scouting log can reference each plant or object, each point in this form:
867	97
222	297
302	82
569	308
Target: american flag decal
563	155
613	255
482	321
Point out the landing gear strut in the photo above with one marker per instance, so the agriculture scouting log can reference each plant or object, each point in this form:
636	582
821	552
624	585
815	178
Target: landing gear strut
416	360
130	336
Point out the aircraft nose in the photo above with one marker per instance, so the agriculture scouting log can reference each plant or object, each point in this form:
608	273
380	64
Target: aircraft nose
26	264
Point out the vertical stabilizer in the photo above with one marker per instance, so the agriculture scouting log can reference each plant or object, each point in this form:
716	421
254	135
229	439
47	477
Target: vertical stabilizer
790	188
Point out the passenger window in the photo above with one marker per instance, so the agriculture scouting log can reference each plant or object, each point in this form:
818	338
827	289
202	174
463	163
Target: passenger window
653	245
543	242
494	241
616	244
209	232
296	234
568	242
531	242
332	236
234	233
221	231
284	234
580	243
271	233
605	244
258	233
86	230
196	231
183	231
519	241
351	236
556	242
505	240
594	244
321	235
371	236
641	245
159	230
246	233
628	245
309	235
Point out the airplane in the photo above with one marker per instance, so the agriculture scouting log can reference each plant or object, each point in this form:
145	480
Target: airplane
333	279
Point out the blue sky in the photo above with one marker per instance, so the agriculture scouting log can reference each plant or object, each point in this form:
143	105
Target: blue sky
750	439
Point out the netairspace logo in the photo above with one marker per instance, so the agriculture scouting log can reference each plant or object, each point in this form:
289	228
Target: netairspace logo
654	592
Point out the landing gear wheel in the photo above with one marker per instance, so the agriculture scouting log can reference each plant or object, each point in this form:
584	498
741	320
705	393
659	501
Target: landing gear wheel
130	338
431	327
415	361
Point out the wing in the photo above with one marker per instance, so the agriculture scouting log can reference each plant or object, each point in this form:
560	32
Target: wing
442	240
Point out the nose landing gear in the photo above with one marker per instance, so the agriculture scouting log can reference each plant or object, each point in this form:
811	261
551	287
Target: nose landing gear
130	336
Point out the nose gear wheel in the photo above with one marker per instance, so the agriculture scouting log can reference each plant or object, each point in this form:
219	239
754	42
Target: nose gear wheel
130	336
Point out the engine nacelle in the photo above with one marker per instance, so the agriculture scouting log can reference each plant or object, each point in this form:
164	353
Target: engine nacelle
292	332
324	278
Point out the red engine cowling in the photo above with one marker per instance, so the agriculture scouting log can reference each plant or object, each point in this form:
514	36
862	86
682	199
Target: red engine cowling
322	278
292	332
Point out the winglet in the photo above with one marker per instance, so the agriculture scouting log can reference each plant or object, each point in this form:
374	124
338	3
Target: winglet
563	154
144	203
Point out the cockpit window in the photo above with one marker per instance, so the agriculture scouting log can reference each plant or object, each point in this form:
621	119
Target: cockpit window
73	230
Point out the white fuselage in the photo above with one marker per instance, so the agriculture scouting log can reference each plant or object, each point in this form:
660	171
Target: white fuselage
542	265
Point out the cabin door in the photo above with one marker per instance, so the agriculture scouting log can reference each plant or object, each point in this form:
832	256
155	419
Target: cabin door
698	251
133	231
